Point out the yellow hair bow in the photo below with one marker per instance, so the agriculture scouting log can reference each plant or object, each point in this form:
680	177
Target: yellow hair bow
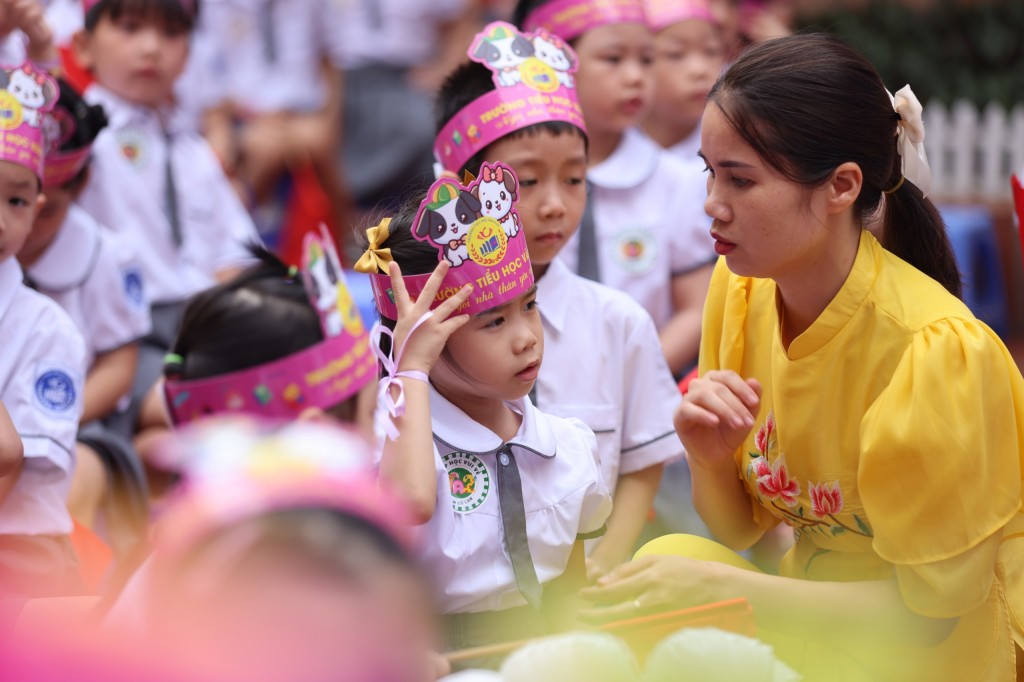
375	259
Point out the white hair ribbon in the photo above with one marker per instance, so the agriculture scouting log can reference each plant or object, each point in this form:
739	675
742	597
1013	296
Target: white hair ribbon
910	143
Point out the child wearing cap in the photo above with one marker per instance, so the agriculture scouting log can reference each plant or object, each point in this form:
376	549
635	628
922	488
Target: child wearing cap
503	493
645	231
689	53
93	274
629	402
153	179
41	368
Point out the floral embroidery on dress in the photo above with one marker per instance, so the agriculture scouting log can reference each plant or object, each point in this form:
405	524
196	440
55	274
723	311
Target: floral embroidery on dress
774	484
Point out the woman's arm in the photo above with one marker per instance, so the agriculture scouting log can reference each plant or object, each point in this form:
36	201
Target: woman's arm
108	380
407	462
870	612
12	453
634	495
680	336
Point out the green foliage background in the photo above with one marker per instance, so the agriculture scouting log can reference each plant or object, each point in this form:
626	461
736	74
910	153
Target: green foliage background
947	53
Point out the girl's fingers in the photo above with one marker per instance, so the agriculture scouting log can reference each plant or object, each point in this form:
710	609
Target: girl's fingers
433	285
451	304
453	324
397	284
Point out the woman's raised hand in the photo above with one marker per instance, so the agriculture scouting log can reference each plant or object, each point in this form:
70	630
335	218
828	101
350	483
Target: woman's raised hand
420	351
716	416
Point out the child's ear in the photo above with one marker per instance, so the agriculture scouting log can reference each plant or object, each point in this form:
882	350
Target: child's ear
81	42
40	202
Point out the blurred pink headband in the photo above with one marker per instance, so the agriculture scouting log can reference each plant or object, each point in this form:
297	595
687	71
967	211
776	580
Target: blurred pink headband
569	19
534	83
322	375
663	13
188	5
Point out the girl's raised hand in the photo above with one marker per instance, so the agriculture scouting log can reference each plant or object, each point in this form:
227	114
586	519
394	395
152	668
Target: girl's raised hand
716	416
420	351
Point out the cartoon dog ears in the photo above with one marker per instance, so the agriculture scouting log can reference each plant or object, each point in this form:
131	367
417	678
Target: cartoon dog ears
432	223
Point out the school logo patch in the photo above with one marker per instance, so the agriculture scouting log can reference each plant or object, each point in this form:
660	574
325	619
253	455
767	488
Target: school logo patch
486	242
10	111
56	394
132	280
635	251
133	146
468	480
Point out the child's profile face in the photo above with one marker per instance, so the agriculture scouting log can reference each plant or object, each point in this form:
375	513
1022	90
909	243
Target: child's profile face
615	81
135	57
552	170
47	224
20	201
495	356
689	55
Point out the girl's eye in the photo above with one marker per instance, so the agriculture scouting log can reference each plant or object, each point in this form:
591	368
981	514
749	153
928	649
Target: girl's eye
574	181
496	322
707	169
531	305
527	182
18	201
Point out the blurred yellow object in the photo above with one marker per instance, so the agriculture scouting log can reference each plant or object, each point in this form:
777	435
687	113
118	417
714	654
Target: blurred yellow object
694	547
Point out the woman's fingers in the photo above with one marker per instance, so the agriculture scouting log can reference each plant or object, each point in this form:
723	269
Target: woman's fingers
613	612
735	383
720	400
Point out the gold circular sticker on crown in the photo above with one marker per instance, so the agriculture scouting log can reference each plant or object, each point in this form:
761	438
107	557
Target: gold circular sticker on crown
538	75
10	111
486	242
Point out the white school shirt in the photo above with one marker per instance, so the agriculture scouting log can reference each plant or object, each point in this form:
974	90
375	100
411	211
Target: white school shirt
236	54
650	223
399	33
42	366
462	548
126	193
94	276
686	149
603	364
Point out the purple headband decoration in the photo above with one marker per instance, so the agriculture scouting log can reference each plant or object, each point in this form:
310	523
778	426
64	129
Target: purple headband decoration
188	5
569	19
321	375
663	13
533	80
26	95
477	230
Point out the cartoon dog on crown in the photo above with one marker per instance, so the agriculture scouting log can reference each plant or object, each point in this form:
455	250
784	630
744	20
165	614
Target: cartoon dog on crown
497	191
553	52
504	50
447	219
32	89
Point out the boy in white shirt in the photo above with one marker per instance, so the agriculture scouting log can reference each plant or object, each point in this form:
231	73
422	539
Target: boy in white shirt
154	179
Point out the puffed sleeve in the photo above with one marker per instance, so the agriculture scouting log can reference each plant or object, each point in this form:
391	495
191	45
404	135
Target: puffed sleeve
940	470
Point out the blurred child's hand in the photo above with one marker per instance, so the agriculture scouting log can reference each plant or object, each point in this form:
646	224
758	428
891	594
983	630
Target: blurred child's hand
28	16
419	351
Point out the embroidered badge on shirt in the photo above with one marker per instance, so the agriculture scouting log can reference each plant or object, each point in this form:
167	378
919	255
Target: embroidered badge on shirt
133	146
635	251
468	481
133	291
55	393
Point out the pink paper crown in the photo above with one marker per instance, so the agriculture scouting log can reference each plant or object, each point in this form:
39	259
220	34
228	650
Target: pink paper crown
569	19
663	13
26	94
236	468
59	126
478	231
189	5
321	375
533	80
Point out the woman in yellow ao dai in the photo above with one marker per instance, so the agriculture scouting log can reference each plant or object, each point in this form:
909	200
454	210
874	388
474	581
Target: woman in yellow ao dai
844	391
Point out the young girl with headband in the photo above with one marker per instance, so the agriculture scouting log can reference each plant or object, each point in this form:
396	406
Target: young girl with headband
629	403
844	390
644	232
504	493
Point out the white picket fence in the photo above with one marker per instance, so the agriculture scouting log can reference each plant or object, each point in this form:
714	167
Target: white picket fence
973	152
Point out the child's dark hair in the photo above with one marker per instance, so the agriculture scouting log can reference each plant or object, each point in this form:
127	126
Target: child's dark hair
174	15
464	85
808	103
89	120
523	9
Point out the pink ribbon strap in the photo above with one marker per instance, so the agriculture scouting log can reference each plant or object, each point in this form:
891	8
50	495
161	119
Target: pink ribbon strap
391	408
